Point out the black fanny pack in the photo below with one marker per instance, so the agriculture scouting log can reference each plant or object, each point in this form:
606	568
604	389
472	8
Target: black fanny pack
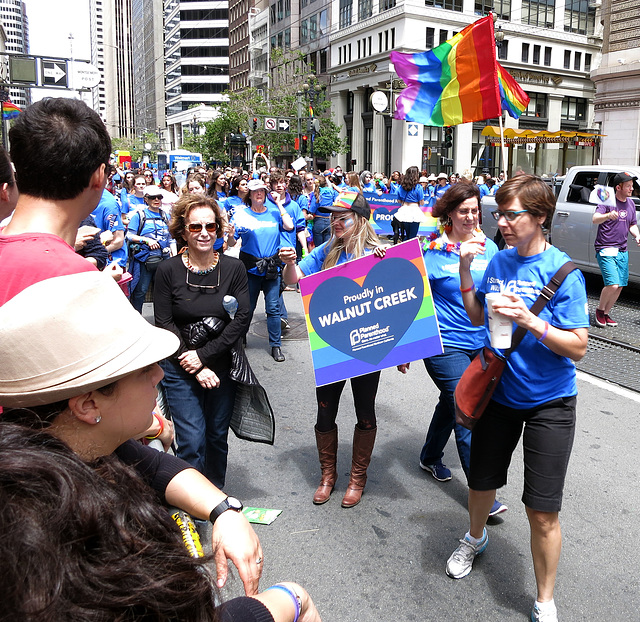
269	267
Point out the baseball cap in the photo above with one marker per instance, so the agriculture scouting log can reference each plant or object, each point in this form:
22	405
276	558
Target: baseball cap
620	178
351	201
257	184
59	340
152	191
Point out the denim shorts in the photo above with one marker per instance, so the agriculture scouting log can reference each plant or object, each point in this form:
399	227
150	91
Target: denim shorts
615	270
547	441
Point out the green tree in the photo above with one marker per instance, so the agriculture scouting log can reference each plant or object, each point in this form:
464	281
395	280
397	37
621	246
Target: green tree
284	99
136	146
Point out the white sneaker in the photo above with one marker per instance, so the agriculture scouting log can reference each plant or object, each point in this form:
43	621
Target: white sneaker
460	563
548	615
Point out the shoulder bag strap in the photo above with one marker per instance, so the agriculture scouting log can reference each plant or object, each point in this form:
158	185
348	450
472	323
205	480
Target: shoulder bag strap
547	293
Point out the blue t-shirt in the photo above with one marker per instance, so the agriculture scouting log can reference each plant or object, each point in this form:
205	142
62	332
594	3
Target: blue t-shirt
327	197
260	232
430	196
303	201
107	217
312	263
534	374
231	203
443	269
155	226
370	187
289	238
411	196
440	190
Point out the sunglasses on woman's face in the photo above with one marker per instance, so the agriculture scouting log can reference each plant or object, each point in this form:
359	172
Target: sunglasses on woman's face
196	227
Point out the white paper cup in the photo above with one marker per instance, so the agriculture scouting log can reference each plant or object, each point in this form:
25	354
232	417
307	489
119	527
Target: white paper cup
500	326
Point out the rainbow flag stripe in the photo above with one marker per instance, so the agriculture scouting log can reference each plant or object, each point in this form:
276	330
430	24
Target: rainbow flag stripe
10	110
454	83
512	97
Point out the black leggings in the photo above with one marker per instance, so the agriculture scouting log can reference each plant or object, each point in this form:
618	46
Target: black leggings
364	389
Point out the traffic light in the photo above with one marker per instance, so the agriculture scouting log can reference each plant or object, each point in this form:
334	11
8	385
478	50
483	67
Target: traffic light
448	137
255	123
304	144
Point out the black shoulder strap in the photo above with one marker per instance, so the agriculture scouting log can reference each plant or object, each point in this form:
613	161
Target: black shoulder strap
546	294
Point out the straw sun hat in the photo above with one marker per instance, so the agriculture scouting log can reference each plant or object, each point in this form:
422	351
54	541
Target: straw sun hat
71	334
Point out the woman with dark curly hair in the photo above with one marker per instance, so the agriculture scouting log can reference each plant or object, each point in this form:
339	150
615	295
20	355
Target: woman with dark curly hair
107	549
458	212
189	289
407	219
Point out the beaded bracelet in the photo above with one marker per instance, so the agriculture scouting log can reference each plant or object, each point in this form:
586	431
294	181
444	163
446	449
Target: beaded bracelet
160	420
294	597
546	330
464	291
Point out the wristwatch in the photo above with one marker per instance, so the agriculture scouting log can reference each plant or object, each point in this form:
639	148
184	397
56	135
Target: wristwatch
230	503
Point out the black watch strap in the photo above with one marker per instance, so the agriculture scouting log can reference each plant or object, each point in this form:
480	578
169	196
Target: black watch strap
230	503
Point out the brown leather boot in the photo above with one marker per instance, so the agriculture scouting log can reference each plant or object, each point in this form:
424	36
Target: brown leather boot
327	443
363	441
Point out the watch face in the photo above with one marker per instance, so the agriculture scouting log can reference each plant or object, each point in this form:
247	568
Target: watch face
235	504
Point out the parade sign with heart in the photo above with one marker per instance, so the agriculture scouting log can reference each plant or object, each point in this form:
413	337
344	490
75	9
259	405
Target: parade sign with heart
369	314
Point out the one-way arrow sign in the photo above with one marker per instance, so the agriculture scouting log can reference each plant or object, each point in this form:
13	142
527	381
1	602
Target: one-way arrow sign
284	125
54	73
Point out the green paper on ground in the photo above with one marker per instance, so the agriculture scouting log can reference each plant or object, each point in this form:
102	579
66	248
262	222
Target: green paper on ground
261	516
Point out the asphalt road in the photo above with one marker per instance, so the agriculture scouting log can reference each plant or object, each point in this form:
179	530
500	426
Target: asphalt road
384	560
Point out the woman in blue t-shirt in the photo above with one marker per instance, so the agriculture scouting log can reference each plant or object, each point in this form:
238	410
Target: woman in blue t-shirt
537	390
458	211
406	221
260	229
319	203
352	237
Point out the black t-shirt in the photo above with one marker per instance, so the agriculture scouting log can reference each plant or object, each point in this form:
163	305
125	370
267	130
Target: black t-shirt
244	609
177	304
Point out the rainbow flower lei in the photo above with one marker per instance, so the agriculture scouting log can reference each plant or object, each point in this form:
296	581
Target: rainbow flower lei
440	241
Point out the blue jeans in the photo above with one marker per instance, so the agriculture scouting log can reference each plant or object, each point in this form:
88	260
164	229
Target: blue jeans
139	293
201	419
445	371
271	290
321	230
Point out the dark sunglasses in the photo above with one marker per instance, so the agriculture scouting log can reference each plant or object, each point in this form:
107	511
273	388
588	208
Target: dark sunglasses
196	227
153	197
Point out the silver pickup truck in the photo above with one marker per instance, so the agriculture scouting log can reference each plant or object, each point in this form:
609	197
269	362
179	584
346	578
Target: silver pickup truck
571	229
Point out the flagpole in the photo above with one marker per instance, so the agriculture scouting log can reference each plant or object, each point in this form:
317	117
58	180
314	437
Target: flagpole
505	163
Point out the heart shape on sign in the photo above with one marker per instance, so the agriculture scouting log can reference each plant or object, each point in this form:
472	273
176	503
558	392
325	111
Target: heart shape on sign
382	218
367	322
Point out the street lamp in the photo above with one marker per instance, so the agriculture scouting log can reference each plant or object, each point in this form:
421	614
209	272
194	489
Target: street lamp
312	90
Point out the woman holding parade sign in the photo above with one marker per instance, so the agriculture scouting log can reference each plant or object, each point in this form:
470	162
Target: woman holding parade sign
458	211
351	237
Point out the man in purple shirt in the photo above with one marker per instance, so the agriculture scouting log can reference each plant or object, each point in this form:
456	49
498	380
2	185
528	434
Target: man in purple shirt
614	225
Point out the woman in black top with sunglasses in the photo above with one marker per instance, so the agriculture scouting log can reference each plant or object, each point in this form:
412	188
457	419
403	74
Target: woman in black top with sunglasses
189	288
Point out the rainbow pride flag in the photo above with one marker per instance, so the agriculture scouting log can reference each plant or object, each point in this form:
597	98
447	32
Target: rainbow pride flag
512	97
10	110
454	83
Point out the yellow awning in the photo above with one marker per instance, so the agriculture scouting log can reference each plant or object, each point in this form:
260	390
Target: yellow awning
519	136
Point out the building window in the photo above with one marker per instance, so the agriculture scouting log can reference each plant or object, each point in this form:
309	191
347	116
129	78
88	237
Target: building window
365	9
358	49
587	62
323	61
323	23
536	54
451	5
304	32
503	50
525	52
574	109
567	59
539	12
537	105
579	16
345	13
280	10
547	56
385	5
393	38
287	39
287	8
577	61
431	34
313	28
501	8
442	36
